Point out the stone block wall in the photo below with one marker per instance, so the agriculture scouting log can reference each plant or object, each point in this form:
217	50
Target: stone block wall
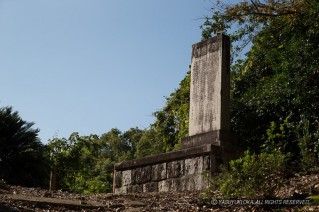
186	174
186	169
181	170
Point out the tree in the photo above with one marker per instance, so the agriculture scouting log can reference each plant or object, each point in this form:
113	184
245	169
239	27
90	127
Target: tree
84	164
278	80
171	124
132	137
76	163
22	156
149	144
247	19
119	148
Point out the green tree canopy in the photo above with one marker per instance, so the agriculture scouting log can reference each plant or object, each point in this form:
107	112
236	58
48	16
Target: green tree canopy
275	88
85	163
171	122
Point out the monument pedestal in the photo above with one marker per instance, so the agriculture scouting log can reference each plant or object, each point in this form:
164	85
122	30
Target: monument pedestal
214	137
186	169
224	145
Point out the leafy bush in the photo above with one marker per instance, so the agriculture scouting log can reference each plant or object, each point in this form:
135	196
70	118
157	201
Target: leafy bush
300	140
97	185
251	176
308	143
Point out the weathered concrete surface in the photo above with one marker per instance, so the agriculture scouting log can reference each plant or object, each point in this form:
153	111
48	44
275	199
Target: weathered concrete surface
159	172
210	86
185	174
141	175
166	157
127	177
175	169
215	137
224	141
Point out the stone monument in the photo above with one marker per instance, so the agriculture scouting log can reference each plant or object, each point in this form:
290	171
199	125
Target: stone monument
209	115
209	143
209	93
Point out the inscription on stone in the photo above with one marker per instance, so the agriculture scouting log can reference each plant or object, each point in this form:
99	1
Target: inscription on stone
206	92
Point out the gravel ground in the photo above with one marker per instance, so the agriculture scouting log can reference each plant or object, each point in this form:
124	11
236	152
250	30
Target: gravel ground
15	198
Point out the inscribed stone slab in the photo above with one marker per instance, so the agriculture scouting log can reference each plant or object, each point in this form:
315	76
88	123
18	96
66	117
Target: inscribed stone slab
209	92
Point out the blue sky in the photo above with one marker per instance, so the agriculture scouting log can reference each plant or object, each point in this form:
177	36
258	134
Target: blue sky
91	65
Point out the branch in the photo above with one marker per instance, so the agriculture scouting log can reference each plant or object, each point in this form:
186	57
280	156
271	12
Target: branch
256	7
261	14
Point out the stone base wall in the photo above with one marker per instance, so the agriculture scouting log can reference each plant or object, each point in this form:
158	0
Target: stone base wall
187	169
180	175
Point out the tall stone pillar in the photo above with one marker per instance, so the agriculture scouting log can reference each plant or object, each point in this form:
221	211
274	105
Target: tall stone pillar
210	86
209	115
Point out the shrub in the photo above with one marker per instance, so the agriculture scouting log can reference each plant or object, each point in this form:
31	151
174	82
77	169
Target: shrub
251	176
96	185
300	140
308	142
